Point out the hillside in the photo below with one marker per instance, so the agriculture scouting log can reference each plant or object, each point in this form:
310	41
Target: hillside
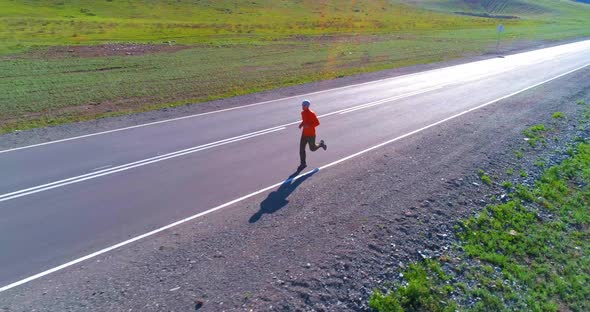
53	22
70	60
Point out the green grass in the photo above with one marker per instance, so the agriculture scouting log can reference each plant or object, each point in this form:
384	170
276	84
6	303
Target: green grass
535	134
529	254
419	295
558	115
233	48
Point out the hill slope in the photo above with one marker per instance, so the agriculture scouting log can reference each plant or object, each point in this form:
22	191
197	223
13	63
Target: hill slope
68	60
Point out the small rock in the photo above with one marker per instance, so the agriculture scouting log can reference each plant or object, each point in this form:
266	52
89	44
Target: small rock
199	304
175	289
475	183
409	214
308	265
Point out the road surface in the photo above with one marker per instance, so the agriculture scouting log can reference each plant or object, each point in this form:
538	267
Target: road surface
70	199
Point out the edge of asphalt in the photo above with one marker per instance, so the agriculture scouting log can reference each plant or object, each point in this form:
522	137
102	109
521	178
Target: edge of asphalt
174	224
153	284
43	135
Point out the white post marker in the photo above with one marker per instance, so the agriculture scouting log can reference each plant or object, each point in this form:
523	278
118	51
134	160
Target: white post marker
500	29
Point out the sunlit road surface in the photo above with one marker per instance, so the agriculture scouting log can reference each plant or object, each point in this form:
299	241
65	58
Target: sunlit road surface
67	201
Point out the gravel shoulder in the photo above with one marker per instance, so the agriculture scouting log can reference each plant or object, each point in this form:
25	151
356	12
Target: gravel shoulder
325	242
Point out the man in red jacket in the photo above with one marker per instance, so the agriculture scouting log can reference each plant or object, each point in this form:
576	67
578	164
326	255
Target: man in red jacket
308	123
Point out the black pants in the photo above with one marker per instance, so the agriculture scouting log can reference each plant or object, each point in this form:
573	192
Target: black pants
307	140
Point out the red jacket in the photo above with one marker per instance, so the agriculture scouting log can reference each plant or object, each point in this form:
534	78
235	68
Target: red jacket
311	120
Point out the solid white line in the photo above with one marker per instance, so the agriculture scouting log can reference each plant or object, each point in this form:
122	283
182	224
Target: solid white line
141	161
354	109
100	168
215	112
102	251
448	118
277	100
144	162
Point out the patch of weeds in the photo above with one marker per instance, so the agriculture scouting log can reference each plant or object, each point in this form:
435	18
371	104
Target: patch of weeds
535	134
510	171
507	184
540	162
523	174
581	102
484	177
518	154
426	290
558	115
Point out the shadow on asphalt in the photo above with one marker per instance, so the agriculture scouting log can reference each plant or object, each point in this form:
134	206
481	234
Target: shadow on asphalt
278	199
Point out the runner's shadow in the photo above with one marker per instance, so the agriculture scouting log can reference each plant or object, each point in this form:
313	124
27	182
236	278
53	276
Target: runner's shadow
278	199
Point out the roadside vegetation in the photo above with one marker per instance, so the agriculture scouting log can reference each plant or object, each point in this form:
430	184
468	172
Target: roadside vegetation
69	60
528	253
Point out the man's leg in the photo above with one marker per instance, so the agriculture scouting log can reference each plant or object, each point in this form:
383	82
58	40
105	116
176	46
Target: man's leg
312	146
302	144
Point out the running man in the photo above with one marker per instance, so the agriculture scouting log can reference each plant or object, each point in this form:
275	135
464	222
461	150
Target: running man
309	121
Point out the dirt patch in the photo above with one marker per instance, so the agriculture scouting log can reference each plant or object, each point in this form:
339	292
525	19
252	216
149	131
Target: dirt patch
486	15
82	112
105	50
358	39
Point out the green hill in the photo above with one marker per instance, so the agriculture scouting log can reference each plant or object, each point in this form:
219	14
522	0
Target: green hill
27	23
65	60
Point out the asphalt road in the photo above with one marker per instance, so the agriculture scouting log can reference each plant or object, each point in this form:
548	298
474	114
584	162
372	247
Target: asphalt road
69	199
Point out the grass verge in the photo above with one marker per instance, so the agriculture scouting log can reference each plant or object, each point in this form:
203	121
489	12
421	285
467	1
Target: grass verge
530	253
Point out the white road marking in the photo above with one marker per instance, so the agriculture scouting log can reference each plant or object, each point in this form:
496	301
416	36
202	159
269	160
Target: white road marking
103	167
216	111
100	173
354	109
144	162
531	56
129	241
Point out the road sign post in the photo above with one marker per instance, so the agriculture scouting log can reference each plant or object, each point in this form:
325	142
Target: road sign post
500	29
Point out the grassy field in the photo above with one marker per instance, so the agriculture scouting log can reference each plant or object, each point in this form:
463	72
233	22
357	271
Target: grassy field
226	48
528	254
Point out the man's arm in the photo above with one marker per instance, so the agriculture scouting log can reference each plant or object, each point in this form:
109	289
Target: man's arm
316	121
